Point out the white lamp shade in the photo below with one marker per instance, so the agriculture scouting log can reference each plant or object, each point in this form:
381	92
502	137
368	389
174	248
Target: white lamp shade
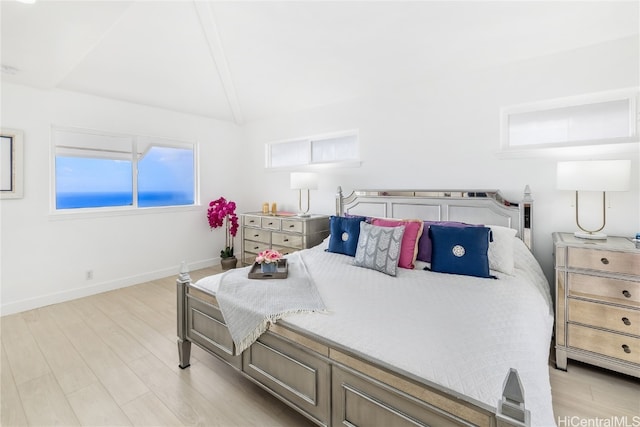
594	175
304	181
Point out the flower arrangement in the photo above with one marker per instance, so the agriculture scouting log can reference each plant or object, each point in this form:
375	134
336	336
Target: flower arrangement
223	213
268	256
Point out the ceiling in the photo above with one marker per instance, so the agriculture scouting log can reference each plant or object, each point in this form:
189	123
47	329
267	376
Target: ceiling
242	61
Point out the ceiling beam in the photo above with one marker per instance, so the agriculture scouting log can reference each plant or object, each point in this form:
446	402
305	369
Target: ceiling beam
210	29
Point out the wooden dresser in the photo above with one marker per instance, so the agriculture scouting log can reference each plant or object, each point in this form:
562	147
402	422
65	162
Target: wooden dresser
285	234
597	290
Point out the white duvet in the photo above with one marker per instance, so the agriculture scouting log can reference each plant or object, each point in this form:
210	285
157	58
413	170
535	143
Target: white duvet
463	333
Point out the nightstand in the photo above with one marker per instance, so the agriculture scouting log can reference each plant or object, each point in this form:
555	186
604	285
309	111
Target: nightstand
597	288
285	234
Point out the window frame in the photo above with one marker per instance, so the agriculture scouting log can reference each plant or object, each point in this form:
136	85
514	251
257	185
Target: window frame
14	162
628	94
56	213
306	147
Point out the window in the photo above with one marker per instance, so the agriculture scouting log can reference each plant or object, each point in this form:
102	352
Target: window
165	174
99	170
335	149
594	119
293	153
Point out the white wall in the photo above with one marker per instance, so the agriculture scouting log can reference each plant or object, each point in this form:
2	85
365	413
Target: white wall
444	134
44	258
433	134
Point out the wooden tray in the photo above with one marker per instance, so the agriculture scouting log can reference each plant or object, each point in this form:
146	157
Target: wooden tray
283	271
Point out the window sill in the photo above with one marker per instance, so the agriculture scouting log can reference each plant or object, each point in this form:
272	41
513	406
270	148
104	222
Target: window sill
87	213
317	166
574	151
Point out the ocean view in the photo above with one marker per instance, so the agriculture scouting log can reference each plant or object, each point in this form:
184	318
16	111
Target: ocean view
145	199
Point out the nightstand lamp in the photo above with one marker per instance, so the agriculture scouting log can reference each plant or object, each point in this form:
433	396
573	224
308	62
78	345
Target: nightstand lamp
594	175
304	181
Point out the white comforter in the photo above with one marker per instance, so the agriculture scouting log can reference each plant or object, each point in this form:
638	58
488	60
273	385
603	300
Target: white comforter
463	333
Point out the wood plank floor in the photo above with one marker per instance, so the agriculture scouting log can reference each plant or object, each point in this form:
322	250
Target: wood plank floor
111	360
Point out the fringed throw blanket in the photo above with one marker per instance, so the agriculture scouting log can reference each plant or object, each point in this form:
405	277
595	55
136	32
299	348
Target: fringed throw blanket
249	305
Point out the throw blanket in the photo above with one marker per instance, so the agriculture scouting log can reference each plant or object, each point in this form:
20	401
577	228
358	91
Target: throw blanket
250	305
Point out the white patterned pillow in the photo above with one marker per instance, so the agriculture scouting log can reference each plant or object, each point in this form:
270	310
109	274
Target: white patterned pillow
500	253
379	248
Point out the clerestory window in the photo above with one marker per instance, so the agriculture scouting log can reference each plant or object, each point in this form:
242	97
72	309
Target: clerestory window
606	118
337	149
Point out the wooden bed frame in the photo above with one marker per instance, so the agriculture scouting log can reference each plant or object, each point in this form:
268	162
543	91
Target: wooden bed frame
333	385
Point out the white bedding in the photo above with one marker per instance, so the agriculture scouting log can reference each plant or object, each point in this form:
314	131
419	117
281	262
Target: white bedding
463	333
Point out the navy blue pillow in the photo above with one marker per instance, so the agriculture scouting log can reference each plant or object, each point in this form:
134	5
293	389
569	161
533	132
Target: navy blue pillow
460	250
344	234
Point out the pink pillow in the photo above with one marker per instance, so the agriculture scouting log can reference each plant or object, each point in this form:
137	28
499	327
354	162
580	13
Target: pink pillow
412	233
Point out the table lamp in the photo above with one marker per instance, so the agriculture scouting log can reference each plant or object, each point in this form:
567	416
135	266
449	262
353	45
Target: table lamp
594	175
304	181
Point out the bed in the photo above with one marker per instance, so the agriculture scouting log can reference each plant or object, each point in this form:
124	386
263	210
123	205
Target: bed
417	348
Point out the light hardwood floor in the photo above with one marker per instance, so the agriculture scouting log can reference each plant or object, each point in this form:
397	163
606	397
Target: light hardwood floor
111	360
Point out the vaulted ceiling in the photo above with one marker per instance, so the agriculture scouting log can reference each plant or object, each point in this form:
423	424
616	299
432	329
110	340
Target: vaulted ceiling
241	61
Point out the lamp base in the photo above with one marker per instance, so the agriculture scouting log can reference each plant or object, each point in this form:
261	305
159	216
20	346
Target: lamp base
303	214
589	235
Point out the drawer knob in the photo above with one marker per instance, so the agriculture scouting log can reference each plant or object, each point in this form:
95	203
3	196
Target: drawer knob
256	235
626	293
285	240
626	348
626	321
270	223
256	248
604	261
291	225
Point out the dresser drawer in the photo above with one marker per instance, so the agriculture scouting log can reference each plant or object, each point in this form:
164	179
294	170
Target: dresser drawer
292	225
248	258
608	343
290	240
257	235
607	289
255	247
609	261
284	250
605	316
270	223
251	221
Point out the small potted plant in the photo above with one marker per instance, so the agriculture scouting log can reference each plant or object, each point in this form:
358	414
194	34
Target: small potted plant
223	213
268	260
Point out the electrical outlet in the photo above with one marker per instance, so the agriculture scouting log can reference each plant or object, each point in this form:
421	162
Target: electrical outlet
89	275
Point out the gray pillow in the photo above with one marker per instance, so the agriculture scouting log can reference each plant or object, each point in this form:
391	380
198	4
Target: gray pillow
379	248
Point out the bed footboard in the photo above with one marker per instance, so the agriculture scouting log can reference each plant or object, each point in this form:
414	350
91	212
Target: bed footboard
200	321
329	385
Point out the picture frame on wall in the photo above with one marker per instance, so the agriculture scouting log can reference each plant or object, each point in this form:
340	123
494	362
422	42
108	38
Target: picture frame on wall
11	163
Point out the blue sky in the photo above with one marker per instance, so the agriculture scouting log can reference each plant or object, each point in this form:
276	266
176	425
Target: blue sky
162	169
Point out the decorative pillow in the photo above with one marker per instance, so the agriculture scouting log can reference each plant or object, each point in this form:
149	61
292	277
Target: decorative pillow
344	234
501	249
379	248
412	232
366	218
424	243
460	250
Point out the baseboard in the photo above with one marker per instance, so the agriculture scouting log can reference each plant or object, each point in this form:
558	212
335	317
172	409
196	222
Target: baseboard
85	291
